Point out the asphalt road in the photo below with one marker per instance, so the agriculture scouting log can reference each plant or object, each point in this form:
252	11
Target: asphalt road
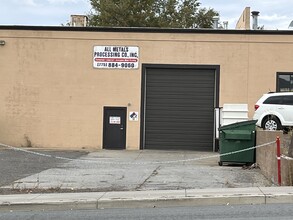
15	165
241	212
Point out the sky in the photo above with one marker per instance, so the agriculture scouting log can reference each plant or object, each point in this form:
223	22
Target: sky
274	14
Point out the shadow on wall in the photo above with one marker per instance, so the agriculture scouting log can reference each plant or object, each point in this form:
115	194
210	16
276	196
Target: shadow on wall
266	156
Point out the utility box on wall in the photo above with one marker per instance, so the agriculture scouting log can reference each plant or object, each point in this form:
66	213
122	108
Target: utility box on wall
232	113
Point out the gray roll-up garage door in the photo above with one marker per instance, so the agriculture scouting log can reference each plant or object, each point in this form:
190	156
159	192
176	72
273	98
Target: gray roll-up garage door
179	109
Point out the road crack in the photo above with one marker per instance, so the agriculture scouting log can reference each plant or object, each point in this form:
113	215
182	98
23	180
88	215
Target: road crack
154	173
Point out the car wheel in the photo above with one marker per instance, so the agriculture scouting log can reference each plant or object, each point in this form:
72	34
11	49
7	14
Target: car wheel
272	124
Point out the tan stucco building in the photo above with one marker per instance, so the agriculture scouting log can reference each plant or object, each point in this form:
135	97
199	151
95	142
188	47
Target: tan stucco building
131	88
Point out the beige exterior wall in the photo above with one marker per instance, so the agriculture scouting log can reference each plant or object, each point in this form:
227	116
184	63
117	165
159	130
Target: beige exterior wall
244	20
52	95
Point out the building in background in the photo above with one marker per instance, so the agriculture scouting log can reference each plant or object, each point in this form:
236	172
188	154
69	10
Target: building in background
244	20
78	21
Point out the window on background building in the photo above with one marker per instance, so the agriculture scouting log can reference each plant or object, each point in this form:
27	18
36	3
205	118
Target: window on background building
284	82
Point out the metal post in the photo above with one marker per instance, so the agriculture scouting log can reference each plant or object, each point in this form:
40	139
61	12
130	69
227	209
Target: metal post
279	160
255	14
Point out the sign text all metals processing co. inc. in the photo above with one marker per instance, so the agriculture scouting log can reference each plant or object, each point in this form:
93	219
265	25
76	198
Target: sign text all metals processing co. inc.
116	57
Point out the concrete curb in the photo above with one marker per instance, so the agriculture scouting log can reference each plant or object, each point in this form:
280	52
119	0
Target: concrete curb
147	199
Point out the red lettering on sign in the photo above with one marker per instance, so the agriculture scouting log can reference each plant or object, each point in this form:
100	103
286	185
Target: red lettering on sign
131	60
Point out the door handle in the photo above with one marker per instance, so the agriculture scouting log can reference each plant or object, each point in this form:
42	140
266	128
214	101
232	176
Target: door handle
121	128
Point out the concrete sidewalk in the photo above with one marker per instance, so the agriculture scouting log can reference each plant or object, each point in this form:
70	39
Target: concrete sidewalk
147	199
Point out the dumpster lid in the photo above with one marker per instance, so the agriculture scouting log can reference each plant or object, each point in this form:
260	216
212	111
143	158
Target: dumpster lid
238	134
237	124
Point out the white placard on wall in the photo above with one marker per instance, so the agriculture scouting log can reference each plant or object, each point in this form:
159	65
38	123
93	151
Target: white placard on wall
133	116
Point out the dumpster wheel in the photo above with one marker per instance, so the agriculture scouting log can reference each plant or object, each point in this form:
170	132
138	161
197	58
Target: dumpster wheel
220	163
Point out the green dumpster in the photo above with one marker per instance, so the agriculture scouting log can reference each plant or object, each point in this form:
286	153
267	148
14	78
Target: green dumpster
236	137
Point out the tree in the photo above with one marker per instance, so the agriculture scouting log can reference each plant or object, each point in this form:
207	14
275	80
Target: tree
150	13
204	18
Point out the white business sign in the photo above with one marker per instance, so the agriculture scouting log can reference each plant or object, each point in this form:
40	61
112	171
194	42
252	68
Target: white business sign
115	120
116	57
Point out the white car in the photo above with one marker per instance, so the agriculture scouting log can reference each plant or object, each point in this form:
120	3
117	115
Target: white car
274	111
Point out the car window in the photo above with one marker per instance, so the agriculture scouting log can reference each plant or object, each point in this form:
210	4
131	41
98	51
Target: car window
273	100
288	100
